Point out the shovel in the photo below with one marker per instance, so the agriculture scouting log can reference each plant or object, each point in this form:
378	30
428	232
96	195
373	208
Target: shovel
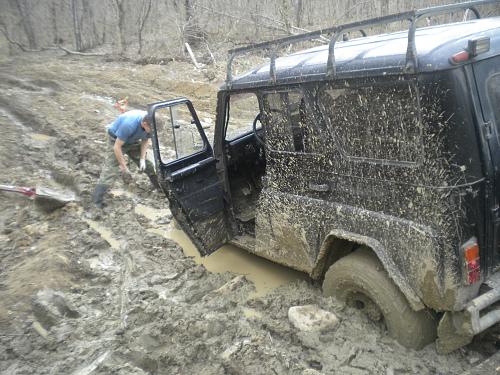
45	198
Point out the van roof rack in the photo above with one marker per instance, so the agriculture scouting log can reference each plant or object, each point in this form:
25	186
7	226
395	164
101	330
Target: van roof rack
411	53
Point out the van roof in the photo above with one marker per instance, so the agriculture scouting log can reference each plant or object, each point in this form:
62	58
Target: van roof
383	54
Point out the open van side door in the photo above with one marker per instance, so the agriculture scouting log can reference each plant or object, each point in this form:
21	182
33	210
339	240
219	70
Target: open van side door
186	171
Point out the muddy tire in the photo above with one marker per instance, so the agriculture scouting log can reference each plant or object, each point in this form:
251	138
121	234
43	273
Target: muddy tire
360	280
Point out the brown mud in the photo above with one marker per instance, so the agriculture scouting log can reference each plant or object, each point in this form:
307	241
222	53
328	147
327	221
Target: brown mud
126	299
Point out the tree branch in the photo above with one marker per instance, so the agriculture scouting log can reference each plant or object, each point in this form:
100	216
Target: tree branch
69	52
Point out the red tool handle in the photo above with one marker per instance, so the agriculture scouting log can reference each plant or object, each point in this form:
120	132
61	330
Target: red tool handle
28	191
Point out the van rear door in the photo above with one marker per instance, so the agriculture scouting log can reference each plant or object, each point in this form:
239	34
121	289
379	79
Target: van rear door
487	76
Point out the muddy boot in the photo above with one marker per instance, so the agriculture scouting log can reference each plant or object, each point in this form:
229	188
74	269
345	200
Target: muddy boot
98	195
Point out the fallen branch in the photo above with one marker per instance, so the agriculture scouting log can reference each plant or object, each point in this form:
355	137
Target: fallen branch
69	52
191	54
211	54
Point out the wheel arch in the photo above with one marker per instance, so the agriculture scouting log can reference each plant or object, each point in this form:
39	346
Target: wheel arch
339	243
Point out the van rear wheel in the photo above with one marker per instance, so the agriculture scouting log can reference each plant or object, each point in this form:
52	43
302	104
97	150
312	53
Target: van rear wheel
359	279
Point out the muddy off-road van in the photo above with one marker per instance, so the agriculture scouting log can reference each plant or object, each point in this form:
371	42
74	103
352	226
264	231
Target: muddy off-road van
371	164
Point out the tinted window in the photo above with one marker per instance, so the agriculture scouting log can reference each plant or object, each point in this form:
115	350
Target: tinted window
374	123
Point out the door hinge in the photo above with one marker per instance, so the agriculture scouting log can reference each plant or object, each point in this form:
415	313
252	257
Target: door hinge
488	126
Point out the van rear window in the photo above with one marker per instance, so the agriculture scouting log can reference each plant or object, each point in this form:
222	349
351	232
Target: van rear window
378	124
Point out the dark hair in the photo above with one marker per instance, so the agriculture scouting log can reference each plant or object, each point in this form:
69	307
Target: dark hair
148	119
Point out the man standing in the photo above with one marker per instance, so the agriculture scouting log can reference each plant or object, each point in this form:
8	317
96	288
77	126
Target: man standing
128	134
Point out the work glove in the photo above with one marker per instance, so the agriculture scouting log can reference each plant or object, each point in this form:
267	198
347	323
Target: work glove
126	176
142	165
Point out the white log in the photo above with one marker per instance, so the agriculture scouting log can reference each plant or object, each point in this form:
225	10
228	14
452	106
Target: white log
190	51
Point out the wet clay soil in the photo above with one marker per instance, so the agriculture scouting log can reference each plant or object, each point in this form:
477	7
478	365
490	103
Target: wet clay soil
138	302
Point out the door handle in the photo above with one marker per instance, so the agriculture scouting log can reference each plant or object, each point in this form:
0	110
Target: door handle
318	187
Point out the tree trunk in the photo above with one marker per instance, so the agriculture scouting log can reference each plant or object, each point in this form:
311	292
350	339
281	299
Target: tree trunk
298	13
192	31
143	18
90	37
24	12
53	14
76	25
120	8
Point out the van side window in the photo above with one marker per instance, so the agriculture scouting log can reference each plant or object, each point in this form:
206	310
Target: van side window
243	108
286	122
494	96
376	123
277	124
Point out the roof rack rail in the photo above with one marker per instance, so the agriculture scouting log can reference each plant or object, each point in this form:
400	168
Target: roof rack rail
411	53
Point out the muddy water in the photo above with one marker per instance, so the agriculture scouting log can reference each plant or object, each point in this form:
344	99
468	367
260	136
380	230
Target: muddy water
265	275
105	233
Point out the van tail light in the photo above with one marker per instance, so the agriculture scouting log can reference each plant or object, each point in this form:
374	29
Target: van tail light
474	48
472	267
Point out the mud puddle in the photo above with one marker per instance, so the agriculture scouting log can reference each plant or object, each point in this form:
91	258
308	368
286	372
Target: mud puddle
105	233
264	274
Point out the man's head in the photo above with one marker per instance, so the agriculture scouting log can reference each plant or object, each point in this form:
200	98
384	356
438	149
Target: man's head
146	124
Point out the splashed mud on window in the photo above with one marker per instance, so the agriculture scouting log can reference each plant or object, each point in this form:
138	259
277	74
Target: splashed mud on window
381	124
375	160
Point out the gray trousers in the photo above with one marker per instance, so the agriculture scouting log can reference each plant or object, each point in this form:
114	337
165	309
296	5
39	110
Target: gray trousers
110	169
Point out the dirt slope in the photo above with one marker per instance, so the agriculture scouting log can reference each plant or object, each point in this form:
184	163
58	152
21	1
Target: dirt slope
125	299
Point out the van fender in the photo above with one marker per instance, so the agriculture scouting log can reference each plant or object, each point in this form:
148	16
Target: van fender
390	267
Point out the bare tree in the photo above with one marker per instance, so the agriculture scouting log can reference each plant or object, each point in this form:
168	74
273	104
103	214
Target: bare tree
36	24
120	8
76	25
299	9
284	11
88	24
141	21
24	11
192	31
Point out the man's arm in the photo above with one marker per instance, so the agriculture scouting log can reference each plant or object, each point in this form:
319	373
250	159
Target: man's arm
117	148
144	148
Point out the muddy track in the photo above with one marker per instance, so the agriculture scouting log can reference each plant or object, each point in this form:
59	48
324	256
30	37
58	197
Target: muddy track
140	304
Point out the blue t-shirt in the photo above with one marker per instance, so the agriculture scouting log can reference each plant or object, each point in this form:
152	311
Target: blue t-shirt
127	127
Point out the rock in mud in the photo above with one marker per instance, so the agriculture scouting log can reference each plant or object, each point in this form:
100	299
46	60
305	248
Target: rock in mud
311	371
161	279
50	307
232	285
40	330
233	349
311	318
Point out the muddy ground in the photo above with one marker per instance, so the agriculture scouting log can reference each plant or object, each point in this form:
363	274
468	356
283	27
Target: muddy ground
123	297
